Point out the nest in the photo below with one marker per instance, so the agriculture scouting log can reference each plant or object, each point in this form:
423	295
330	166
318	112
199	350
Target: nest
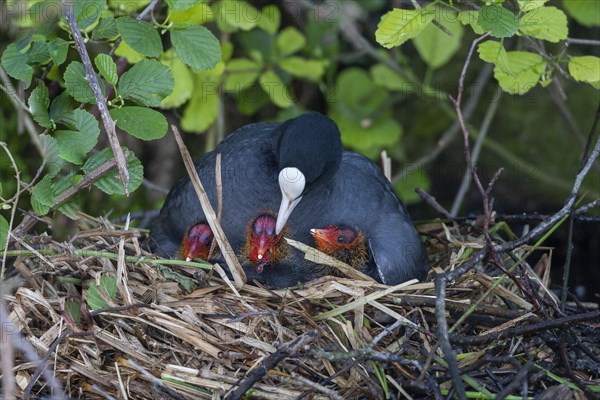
103	318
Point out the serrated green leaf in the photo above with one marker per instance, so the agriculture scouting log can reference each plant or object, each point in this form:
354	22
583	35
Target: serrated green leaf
500	21
77	86
69	209
51	153
200	14
146	83
3	232
435	46
585	69
75	143
61	105
241	74
140	122
546	23
42	196
141	36
399	25
493	52
471	18
529	5
586	12
526	69
311	70
290	40
270	19
107	68
106	29
277	91
39	101
236	14
202	109
58	49
38	53
181	5
182	75
15	64
110	183
96	294
196	46
87	12
385	77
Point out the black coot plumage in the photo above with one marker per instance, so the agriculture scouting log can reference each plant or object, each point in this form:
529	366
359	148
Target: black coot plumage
298	166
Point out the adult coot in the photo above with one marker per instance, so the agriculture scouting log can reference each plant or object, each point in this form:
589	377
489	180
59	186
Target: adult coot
298	167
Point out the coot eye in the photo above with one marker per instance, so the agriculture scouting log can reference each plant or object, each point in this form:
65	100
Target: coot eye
341	239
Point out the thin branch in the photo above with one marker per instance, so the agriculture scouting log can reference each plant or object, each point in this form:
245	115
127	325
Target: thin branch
12	212
90	76
590	42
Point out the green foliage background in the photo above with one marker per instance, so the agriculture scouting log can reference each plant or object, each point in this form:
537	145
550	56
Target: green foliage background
384	75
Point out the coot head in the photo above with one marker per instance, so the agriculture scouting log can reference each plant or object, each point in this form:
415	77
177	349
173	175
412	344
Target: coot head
309	152
263	243
196	242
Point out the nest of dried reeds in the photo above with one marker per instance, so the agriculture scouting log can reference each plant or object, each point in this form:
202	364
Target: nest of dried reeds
100	317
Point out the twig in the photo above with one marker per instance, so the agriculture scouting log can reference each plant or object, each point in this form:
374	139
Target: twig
239	276
41	368
219	184
433	203
269	363
487	120
13	211
386	164
6	347
590	42
90	76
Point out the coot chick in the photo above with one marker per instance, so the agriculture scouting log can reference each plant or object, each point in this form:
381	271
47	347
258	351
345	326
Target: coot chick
345	244
196	242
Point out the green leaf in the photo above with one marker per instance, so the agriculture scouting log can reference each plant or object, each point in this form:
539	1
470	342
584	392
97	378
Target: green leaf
146	83
38	53
586	12
435	46
42	196
203	108
406	187
586	69
96	294
15	64
87	12
38	105
184	83
58	49
499	20
546	23
143	123
399	25
77	86
385	77
200	14
236	14
529	5
290	40
73	309
493	52
107	68
61	105
241	74
526	69
196	46
80	139
106	29
300	67
110	183
270	19
181	5
140	36
51	151
471	18
3	232
279	94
